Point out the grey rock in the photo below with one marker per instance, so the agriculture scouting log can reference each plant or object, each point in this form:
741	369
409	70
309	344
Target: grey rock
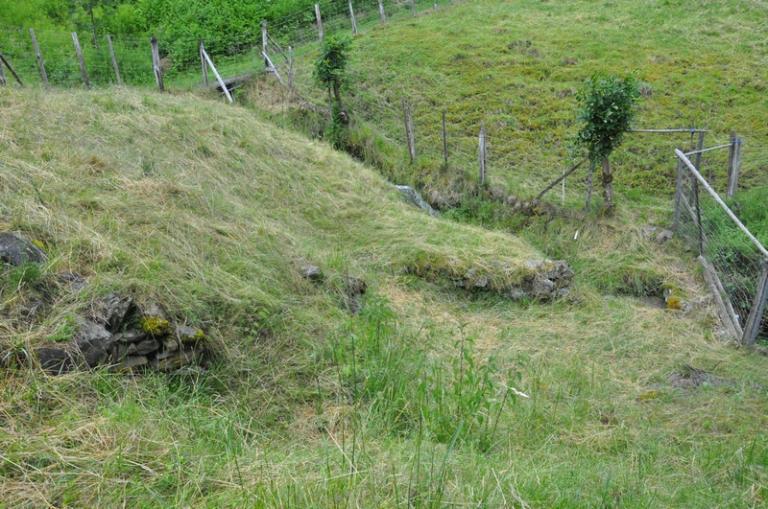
54	361
355	286
155	310
74	281
542	288
93	342
133	362
414	198
664	236
474	279
354	289
186	334
170	344
129	336
312	273
516	293
143	347
648	232
170	361
111	311
16	251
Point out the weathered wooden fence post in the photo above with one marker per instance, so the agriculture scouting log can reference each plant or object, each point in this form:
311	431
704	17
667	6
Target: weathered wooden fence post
290	68
39	57
445	142
114	60
5	61
382	14
203	63
752	326
81	60
481	153
734	165
352	18
265	42
158	70
590	184
319	19
678	195
410	137
698	215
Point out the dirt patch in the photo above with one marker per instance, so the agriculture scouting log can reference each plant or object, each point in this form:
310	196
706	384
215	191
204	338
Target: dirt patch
689	377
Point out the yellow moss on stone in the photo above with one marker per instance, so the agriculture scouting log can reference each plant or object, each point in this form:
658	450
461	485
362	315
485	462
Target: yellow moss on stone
155	325
674	302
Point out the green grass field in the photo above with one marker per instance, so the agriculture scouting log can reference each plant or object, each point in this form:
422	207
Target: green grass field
433	396
516	67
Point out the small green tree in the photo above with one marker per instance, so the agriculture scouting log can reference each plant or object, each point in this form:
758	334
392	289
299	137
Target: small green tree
330	72
607	108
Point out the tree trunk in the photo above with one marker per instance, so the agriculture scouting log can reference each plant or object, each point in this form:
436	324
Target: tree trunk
607	180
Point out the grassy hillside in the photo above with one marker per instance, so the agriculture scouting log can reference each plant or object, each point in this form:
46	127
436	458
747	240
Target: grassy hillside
416	400
516	66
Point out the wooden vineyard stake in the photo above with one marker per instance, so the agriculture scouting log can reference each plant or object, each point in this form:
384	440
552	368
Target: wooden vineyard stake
81	60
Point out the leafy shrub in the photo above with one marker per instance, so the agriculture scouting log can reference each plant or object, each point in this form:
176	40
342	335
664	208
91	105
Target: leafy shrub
607	108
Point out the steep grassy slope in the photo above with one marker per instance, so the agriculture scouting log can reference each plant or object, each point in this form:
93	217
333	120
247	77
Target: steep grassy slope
414	401
516	66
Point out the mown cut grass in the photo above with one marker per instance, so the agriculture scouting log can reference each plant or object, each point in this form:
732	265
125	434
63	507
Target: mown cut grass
516	67
410	402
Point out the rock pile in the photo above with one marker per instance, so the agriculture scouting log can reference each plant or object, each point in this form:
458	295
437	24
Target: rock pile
352	288
116	332
546	280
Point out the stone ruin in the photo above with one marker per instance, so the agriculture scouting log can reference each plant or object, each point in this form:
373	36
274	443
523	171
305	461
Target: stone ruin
118	333
115	331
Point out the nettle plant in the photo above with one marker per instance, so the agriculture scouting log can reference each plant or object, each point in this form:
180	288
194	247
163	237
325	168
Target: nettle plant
331	72
607	108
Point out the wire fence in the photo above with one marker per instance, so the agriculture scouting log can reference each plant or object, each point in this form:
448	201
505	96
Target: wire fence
180	61
734	262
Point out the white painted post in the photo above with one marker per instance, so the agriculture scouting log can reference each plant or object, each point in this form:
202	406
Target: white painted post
216	73
382	14
81	60
203	64
482	154
352	18
319	19
265	42
290	68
